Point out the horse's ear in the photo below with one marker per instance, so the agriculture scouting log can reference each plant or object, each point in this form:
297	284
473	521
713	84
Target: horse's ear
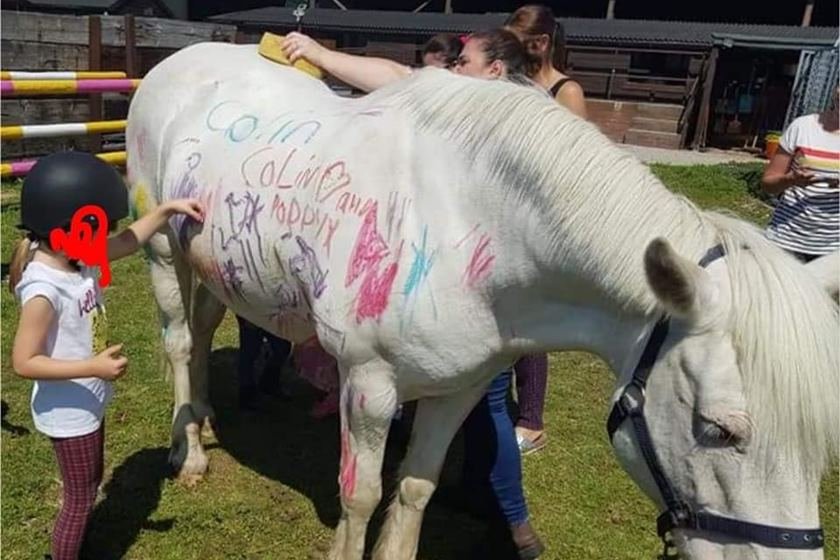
827	270
679	284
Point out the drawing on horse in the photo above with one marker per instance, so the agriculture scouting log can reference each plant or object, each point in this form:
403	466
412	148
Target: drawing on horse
433	231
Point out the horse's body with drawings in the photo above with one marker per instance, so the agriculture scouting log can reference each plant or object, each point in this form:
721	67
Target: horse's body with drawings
432	232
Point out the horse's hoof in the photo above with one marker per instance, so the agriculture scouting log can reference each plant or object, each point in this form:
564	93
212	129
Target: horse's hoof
193	469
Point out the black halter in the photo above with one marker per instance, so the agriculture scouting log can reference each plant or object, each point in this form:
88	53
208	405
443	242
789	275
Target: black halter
678	514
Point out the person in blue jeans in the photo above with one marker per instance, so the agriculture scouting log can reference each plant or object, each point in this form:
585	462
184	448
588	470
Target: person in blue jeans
251	339
492	457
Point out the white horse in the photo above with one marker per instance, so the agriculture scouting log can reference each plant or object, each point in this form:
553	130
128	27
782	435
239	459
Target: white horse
432	232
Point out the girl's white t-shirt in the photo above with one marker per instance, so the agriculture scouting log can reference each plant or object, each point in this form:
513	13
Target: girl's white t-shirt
68	407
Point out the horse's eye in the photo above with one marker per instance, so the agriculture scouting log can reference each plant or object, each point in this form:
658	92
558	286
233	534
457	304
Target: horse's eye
717	432
713	434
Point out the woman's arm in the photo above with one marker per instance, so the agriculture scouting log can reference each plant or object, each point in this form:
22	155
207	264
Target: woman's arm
571	97
362	72
29	361
780	174
138	234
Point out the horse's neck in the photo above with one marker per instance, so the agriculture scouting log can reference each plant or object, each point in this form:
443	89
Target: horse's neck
585	287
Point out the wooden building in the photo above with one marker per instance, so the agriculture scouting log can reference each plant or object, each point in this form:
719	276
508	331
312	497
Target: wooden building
148	8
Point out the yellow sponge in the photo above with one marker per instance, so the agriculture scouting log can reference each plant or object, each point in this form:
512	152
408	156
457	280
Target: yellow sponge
270	48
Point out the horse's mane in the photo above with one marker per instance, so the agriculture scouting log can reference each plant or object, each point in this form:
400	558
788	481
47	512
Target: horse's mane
785	329
589	189
605	207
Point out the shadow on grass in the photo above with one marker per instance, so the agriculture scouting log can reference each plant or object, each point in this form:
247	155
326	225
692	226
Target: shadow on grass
7	426
282	442
131	495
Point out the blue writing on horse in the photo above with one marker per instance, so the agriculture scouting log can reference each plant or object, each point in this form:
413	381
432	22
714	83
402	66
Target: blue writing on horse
238	125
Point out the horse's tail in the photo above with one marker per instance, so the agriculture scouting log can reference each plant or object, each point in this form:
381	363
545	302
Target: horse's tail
144	138
152	110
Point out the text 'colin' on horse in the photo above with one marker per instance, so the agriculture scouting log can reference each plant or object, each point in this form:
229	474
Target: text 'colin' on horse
430	233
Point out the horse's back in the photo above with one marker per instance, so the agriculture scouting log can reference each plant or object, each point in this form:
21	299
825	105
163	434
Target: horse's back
183	87
223	64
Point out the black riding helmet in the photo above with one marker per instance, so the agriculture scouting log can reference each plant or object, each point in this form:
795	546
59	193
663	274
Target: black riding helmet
59	184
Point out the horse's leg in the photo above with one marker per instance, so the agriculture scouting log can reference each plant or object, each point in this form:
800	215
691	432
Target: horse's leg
207	312
435	423
171	282
368	403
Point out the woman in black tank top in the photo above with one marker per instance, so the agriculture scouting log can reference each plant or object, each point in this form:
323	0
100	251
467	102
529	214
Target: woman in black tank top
558	85
545	42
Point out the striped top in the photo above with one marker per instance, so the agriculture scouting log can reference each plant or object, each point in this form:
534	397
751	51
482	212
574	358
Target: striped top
807	217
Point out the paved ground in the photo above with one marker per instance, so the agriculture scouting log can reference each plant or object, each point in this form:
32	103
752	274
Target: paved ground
689	157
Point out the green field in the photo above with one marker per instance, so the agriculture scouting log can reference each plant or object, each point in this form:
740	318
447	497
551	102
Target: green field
272	490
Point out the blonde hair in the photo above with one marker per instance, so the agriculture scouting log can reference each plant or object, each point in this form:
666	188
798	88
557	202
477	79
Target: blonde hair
20	258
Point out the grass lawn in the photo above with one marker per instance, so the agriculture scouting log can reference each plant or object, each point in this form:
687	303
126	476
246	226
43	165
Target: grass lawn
272	490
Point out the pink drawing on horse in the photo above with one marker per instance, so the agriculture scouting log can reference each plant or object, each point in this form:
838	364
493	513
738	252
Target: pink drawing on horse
347	478
368	253
369	250
480	263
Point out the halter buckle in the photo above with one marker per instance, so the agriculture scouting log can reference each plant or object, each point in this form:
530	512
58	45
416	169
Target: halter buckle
677	517
632	399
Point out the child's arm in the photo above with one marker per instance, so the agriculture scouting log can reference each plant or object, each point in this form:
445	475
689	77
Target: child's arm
139	233
29	361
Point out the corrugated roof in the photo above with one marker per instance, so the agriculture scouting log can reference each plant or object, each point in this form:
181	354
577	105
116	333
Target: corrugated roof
578	30
686	32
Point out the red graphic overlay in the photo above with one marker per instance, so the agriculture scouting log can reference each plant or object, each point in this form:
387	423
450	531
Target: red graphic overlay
83	244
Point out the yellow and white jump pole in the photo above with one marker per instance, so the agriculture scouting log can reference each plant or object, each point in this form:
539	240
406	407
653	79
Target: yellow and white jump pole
60	75
60	129
14	88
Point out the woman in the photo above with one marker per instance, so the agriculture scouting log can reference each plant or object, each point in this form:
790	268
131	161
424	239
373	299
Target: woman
491	450
487	54
545	43
804	175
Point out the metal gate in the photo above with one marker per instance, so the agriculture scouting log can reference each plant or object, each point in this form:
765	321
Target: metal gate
816	79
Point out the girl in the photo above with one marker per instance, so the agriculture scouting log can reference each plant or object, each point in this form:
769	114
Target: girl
545	43
60	340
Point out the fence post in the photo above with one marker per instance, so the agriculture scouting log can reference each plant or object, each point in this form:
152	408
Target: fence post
701	131
95	63
131	61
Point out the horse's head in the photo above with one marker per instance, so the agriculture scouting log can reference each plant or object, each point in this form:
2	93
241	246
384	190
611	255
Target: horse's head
741	402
